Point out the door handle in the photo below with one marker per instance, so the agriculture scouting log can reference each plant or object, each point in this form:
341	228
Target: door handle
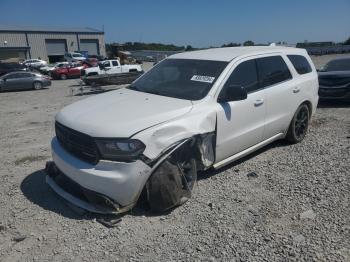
259	102
296	90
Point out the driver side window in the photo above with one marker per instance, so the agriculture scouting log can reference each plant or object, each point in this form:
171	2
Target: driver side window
244	75
106	64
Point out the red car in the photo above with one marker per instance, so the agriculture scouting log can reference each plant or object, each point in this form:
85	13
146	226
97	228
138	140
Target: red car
68	71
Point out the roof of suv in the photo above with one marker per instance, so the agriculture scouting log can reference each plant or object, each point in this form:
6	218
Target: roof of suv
228	53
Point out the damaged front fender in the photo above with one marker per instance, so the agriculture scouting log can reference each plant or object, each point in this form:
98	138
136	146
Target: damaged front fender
198	123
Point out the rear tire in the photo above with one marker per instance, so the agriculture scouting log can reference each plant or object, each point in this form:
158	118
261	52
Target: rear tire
37	85
63	77
299	125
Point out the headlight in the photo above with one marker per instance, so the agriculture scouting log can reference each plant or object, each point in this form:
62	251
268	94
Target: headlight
120	149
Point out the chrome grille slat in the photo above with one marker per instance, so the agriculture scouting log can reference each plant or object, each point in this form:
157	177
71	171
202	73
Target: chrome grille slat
78	144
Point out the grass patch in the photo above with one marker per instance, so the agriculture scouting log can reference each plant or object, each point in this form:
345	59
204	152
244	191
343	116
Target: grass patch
29	159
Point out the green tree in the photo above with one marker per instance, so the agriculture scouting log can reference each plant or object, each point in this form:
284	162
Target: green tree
189	48
248	43
347	42
231	45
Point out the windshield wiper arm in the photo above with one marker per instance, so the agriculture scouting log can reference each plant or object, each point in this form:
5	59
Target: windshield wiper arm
133	87
154	92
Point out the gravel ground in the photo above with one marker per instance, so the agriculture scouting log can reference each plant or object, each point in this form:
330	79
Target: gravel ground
296	208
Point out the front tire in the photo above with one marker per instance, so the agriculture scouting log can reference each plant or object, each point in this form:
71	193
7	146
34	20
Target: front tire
174	180
299	125
37	85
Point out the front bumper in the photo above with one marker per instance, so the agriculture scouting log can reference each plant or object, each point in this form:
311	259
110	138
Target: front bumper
119	181
340	93
47	83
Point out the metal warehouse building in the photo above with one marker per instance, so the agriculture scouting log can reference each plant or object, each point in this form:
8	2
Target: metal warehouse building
48	43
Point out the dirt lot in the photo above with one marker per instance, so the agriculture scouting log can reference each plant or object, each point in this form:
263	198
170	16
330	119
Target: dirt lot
296	208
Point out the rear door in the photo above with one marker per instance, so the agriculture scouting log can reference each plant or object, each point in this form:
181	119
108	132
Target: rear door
276	79
24	80
116	67
240	124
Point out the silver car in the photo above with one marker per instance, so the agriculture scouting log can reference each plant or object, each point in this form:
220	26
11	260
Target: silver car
23	80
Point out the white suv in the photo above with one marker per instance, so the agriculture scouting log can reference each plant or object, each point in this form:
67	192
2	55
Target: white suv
191	112
74	57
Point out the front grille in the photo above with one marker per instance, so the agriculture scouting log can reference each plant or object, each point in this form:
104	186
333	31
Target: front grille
334	81
78	144
333	92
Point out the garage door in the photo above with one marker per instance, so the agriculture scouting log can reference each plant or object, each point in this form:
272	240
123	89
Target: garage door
56	46
89	45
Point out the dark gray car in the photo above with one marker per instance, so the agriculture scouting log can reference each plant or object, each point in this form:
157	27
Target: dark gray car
334	79
23	80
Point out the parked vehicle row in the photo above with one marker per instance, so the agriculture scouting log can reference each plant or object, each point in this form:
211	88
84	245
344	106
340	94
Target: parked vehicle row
6	68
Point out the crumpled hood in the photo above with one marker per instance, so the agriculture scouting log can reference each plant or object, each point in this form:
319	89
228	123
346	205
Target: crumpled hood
121	113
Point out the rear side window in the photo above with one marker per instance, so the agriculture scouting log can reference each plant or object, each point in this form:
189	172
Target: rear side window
300	64
244	75
272	70
115	63
23	75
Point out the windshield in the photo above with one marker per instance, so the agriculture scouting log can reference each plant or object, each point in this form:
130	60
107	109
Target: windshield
337	65
180	78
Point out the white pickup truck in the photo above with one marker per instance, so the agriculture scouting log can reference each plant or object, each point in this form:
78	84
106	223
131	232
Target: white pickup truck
111	67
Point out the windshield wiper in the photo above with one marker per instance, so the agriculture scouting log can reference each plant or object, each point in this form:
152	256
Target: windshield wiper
136	88
133	87
154	92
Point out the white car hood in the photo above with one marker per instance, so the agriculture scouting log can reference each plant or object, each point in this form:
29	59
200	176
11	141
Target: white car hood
121	113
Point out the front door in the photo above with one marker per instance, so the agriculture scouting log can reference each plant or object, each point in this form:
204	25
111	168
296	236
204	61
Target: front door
11	82
240	124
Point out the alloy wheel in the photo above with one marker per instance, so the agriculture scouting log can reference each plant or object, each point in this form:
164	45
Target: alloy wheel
37	85
301	123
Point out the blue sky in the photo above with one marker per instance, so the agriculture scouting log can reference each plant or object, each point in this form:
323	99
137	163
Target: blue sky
198	23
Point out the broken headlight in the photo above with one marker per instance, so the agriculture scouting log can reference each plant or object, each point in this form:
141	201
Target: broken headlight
120	149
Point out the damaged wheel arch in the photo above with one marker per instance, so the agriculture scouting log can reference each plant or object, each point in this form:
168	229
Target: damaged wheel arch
174	173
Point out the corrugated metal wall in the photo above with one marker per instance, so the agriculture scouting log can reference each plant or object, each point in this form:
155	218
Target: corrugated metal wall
101	41
37	41
38	46
13	39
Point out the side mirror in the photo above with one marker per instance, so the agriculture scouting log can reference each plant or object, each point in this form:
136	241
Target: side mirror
233	93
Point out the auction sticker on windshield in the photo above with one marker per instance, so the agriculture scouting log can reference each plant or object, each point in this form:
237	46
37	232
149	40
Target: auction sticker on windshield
206	79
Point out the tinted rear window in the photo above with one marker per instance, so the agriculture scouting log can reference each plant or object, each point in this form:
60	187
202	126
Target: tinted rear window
300	64
272	70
